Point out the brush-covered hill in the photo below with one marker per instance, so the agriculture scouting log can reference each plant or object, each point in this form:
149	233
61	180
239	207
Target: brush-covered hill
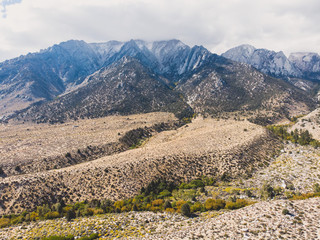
204	147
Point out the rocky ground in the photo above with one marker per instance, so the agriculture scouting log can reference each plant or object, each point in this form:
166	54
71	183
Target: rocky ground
297	166
310	122
263	220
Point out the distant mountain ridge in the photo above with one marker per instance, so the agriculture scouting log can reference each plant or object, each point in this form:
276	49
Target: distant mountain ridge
308	63
305	65
58	69
269	62
125	87
75	79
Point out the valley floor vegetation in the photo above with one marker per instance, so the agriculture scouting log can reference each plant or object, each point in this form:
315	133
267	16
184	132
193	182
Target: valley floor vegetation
158	196
189	199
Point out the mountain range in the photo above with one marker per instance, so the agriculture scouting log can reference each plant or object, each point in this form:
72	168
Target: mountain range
75	79
304	65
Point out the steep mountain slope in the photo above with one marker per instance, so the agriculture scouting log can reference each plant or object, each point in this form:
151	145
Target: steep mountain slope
44	75
209	82
60	68
269	62
126	87
169	58
308	63
223	85
133	86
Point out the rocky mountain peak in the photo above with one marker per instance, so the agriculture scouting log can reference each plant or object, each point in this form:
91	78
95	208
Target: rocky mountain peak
270	62
306	61
241	53
73	69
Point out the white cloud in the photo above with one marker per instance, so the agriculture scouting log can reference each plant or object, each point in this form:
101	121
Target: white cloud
288	25
5	3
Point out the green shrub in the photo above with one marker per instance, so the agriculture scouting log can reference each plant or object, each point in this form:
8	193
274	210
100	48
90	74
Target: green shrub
185	210
16	220
51	215
225	177
197	207
288	194
214	204
277	190
248	193
167	204
91	237
57	207
42	210
267	191
135	208
316	187
4	222
285	211
240	203
70	237
71	214
164	193
196	183
184	186
88	211
208	181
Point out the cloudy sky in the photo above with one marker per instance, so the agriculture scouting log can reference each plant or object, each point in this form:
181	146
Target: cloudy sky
288	25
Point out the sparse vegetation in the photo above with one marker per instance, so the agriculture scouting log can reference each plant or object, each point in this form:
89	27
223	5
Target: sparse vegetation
285	211
302	137
156	197
70	237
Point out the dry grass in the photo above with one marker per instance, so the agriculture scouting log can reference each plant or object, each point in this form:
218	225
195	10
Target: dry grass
204	147
27	143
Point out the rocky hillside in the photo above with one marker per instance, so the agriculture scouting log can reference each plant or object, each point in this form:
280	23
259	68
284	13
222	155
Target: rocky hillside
293	171
310	122
264	220
204	147
126	87
223	85
270	62
218	85
59	69
44	75
75	79
308	63
296	69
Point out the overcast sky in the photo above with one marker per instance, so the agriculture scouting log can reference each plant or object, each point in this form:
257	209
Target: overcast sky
288	25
